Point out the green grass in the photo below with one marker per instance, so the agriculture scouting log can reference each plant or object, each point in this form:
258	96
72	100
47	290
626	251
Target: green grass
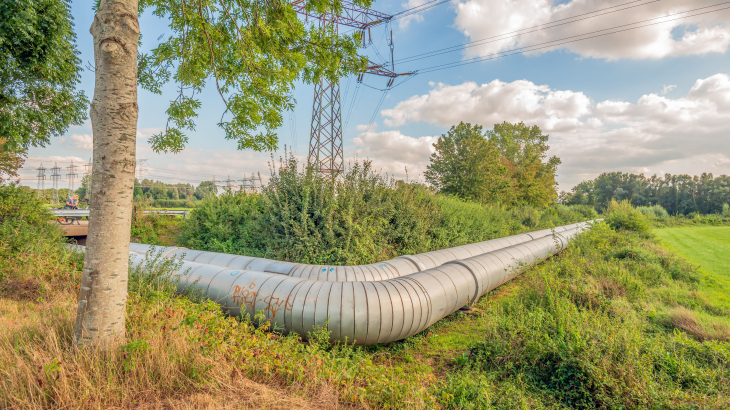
615	321
709	248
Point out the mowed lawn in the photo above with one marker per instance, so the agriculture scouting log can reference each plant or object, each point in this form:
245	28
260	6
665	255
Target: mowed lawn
708	247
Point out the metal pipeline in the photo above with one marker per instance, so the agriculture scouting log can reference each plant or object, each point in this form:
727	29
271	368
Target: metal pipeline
397	267
363	311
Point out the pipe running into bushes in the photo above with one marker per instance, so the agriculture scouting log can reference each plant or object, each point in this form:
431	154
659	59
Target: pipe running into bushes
400	266
366	304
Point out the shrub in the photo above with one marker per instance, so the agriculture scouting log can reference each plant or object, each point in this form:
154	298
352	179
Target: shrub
228	224
21	205
152	228
654	211
360	217
173	203
726	210
32	258
623	216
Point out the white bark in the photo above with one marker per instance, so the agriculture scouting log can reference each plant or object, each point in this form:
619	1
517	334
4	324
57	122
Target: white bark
103	292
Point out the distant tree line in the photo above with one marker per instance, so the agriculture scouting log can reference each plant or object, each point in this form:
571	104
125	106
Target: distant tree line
678	194
507	165
157	190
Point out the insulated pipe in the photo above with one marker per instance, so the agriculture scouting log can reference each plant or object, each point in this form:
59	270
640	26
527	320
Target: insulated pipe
394	268
365	312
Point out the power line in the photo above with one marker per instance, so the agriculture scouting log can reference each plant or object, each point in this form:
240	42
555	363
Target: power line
372	119
420	8
548	44
532	29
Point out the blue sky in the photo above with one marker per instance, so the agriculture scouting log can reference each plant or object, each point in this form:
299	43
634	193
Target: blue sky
654	99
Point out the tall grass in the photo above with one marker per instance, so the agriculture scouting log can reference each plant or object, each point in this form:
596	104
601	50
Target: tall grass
614	322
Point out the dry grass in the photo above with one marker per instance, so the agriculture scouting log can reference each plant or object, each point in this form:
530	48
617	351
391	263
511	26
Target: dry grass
686	320
41	369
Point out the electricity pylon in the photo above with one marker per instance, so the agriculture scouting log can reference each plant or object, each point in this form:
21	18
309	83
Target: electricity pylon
41	180
71	175
55	177
325	141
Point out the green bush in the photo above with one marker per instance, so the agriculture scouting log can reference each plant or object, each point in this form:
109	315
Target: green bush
21	204
361	217
227	224
173	203
32	255
726	210
654	211
623	216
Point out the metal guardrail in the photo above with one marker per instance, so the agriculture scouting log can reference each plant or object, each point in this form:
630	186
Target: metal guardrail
85	212
70	212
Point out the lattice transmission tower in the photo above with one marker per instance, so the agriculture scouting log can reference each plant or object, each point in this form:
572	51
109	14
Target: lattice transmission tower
71	176
252	184
41	180
229	184
325	141
55	177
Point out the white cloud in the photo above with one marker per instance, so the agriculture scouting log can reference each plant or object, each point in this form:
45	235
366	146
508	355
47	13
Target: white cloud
393	152
667	89
145	133
363	127
445	105
488	19
85	124
404	22
83	141
677	135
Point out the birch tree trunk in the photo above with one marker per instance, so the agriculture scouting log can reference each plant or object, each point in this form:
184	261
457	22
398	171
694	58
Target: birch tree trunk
100	317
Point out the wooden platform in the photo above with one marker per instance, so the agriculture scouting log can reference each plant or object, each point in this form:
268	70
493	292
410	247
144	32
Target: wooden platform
78	228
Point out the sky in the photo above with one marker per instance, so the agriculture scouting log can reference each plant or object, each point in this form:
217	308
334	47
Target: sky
618	85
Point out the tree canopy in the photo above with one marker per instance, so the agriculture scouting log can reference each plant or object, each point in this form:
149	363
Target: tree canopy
206	189
253	52
10	161
40	72
506	165
530	172
678	194
467	165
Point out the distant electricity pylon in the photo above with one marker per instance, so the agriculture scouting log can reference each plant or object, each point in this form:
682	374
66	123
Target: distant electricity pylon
229	184
41	180
55	177
71	175
252	184
141	170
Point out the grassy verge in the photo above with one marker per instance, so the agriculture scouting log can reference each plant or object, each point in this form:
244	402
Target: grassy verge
707	247
615	321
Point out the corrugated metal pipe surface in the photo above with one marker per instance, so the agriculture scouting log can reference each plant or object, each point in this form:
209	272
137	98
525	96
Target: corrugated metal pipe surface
366	304
400	266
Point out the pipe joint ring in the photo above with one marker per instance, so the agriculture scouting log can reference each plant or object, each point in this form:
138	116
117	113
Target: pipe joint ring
420	266
477	289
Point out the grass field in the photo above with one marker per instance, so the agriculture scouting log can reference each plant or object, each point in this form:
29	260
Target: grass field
709	248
